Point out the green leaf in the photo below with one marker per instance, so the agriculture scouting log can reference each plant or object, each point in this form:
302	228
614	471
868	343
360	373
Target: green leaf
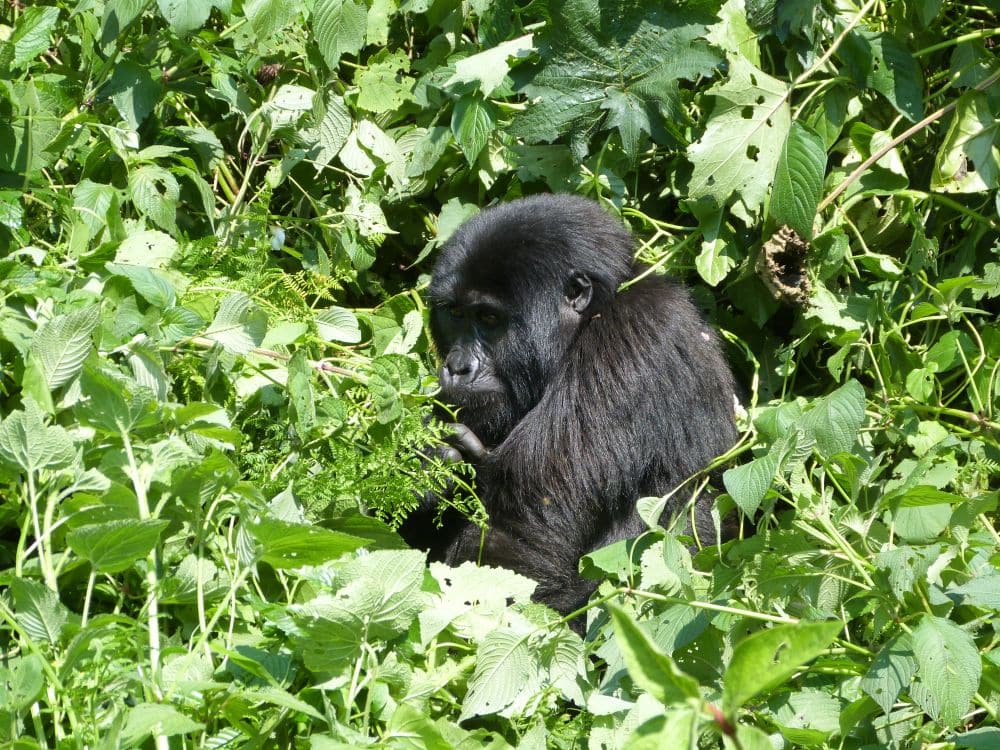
292	545
155	193
891	672
650	668
969	158
472	121
383	84
156	720
185	15
28	443
114	546
61	346
392	375
133	91
118	16
880	61
948	671
748	484
268	17
38	610
32	33
339	28
834	420
504	667
798	180
743	140
596	50
766	659
239	324
489	67
23	683
149	283
338	324
331	134
151	248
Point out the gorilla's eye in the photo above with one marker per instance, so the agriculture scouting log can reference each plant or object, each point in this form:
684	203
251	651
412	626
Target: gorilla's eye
456	311
488	319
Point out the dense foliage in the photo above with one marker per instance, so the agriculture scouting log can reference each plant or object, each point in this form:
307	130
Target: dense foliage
216	219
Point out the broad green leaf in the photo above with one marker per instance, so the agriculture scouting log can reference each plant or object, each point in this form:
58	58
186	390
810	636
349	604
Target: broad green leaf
331	134
650	668
392	375
300	392
156	720
948	671
766	659
504	668
982	591
268	17
969	158
28	443
11	212
882	62
489	67
23	683
118	16
472	121
114	403
149	283
292	545
32	32
411	728
339	28
38	610
134	92
61	346
716	259
798	181
151	248
239	324
834	420
748	483
367	215
114	546
595	49
91	201
155	193
891	672
338	324
383	84
289	104
742	143
186	15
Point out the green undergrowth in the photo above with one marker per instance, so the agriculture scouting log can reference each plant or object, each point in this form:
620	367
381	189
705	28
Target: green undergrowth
216	224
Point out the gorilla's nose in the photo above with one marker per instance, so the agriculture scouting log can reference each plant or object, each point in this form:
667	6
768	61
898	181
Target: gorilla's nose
459	369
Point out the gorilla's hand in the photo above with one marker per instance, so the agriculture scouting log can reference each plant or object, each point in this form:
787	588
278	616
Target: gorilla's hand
463	445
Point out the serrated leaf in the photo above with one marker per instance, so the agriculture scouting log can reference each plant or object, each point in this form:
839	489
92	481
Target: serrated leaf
595	47
155	193
338	324
798	180
834	420
28	443
157	720
392	375
38	610
332	132
766	659
472	121
118	16
32	31
60	348
741	146
489	67
339	28
114	546
748	484
891	672
239	324
91	201
948	671
383	84
650	668
268	17
148	283
504	667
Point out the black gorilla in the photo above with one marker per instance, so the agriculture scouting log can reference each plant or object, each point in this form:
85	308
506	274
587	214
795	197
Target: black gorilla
576	399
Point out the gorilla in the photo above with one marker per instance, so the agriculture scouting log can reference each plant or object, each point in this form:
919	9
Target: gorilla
576	399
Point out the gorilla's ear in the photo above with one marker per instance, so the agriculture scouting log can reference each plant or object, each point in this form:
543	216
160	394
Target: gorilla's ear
579	292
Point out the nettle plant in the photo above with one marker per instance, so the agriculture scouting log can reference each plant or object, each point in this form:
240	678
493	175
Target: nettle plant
215	226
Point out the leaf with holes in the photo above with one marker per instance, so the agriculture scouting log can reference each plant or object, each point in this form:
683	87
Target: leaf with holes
969	159
880	61
737	154
948	671
610	65
155	192
339	28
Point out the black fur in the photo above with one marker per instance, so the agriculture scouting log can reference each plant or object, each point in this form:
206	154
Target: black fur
580	415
